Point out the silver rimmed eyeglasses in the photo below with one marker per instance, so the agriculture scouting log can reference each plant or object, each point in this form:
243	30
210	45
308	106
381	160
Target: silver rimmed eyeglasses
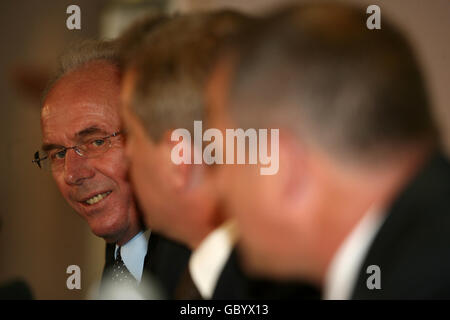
91	148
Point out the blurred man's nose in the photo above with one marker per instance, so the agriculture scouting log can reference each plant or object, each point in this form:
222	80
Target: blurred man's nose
76	168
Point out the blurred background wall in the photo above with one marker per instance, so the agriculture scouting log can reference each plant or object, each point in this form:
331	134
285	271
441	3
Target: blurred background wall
40	235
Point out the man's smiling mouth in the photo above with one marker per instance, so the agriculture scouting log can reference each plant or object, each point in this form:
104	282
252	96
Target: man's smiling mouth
97	198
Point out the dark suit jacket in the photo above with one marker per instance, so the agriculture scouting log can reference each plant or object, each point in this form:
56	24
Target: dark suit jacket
412	247
165	262
233	283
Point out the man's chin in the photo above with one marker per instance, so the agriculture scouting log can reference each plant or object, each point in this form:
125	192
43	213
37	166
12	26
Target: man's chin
109	233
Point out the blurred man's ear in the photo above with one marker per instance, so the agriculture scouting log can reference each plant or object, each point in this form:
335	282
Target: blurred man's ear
293	171
216	92
183	176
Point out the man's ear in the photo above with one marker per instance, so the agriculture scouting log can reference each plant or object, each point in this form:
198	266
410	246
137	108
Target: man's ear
293	168
185	174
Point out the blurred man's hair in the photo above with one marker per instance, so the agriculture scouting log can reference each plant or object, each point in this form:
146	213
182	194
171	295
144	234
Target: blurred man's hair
79	54
171	67
134	36
318	71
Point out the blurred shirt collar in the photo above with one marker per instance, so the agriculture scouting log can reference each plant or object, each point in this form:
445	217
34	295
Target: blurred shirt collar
209	259
133	253
345	266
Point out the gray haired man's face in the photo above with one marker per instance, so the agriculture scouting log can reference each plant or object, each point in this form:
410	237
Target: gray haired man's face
83	103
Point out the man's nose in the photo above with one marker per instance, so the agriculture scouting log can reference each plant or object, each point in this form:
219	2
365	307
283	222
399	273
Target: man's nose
76	168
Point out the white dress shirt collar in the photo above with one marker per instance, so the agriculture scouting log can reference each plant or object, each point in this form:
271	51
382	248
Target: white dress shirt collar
345	266
208	260
133	253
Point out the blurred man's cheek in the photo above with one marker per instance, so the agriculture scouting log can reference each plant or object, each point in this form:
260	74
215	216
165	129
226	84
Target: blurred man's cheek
130	148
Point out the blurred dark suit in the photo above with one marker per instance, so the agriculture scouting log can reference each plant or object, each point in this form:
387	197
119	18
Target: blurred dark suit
233	283
15	290
165	262
412	247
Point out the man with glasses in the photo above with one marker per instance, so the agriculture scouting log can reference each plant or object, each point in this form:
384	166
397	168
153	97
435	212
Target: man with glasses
83	148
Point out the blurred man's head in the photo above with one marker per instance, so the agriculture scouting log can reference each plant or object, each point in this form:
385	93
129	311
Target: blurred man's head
354	124
81	108
163	91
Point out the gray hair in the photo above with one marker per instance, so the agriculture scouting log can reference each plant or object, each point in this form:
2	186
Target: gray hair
319	72
172	65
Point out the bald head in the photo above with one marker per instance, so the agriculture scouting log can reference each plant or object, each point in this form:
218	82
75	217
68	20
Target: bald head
91	89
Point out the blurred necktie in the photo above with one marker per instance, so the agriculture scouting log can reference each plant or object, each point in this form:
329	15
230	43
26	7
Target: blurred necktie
120	273
186	289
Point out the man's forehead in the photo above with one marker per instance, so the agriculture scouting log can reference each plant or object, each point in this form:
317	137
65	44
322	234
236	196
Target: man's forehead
93	84
61	124
72	109
80	101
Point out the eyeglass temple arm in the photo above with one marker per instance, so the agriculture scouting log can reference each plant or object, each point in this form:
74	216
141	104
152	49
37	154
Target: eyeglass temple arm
38	159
